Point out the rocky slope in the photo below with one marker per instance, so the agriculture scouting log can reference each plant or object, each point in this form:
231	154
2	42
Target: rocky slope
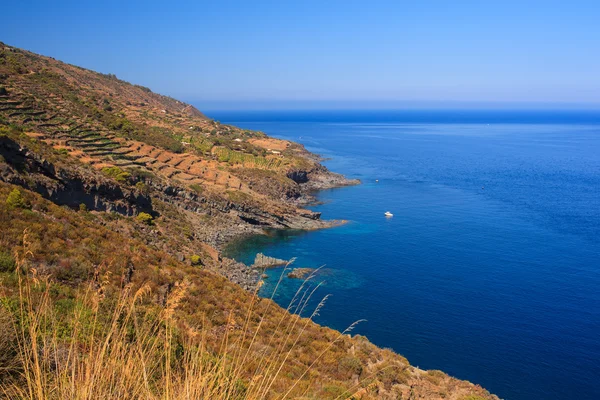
157	176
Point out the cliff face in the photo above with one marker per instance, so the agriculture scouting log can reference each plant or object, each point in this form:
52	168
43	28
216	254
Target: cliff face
65	186
109	151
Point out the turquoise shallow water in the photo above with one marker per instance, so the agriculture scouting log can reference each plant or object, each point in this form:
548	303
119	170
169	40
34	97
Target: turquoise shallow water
490	267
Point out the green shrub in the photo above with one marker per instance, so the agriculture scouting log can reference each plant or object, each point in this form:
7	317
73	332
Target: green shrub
196	260
117	174
142	187
83	207
145	218
7	262
15	200
196	188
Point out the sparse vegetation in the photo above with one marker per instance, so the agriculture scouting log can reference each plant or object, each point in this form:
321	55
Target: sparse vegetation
117	174
7	262
233	157
238	197
196	260
145	218
142	187
15	199
196	188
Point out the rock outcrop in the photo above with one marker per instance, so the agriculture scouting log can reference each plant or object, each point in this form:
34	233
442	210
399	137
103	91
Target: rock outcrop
67	186
263	261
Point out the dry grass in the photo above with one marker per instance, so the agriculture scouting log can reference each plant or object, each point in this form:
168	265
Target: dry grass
193	327
117	347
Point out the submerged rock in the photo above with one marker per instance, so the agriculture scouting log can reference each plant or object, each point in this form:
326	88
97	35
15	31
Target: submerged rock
300	273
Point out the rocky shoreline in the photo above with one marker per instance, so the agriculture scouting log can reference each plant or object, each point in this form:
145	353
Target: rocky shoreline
323	179
248	276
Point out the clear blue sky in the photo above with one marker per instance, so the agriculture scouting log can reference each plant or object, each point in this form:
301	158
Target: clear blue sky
222	54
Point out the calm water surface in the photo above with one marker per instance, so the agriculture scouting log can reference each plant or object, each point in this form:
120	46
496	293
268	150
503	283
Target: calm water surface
489	269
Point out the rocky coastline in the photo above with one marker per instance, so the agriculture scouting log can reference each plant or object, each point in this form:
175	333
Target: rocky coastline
72	187
247	276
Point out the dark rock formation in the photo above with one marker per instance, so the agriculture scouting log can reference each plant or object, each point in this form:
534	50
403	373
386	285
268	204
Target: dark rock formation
68	187
298	176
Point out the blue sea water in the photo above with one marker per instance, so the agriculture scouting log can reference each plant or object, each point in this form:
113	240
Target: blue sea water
490	267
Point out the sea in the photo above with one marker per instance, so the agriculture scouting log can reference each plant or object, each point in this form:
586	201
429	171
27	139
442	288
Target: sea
489	268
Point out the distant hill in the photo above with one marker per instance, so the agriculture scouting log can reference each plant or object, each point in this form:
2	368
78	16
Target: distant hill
109	186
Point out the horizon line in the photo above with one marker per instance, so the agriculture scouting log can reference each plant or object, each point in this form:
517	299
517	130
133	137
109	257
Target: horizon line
316	105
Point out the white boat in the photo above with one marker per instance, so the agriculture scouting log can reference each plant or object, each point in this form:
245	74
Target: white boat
388	214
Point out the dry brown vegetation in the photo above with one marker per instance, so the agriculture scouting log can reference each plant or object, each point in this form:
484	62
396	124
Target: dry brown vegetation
75	260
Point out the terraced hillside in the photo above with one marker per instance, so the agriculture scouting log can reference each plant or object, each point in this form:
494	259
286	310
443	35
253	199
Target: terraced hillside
108	188
128	150
171	139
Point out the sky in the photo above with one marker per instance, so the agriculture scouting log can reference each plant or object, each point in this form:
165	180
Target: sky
328	54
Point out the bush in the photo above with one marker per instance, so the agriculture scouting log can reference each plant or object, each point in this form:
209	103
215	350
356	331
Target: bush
351	365
196	260
142	187
196	188
83	207
145	218
435	376
142	174
117	174
15	200
7	262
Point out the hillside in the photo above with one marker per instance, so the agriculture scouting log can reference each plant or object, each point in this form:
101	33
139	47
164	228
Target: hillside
108	188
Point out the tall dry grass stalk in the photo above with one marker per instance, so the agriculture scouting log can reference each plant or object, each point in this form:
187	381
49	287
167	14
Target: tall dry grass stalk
118	348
